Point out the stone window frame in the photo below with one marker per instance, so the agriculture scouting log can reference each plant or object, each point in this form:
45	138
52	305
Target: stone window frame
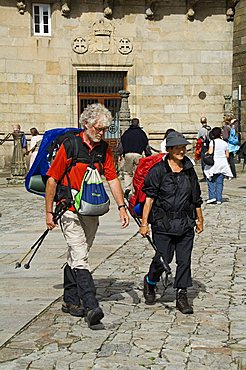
42	7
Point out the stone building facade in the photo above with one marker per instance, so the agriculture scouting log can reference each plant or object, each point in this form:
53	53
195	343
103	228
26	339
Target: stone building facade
239	65
173	56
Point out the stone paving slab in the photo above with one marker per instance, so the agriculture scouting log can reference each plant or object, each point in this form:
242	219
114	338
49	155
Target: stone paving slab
26	293
156	337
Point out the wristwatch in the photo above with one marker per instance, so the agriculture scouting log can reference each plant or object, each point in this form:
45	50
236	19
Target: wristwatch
121	206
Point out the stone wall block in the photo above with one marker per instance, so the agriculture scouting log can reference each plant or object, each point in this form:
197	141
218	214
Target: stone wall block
183	56
208	69
16	77
161	56
52	68
2	67
26	66
216	56
4	31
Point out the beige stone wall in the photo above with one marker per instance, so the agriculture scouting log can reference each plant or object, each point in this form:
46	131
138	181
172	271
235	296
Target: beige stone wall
239	61
172	60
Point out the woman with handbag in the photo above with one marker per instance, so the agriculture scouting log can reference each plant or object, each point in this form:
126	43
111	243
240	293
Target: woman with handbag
216	172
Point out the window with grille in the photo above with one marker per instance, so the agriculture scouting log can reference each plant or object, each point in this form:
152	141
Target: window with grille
102	87
41	19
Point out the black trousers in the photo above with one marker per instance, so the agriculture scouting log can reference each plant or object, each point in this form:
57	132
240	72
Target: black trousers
232	164
70	294
167	245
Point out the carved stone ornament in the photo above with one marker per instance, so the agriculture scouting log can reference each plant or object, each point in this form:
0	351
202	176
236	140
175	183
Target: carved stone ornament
80	45
21	6
101	40
108	6
65	7
230	10
124	112
125	45
190	5
150	9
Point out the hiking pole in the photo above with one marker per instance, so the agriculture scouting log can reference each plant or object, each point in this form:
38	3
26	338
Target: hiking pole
136	219
60	210
18	264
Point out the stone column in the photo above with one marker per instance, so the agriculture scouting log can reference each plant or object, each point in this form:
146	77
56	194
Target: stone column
18	165
124	113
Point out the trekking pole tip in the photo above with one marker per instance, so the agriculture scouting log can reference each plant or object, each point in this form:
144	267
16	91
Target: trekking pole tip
26	266
17	265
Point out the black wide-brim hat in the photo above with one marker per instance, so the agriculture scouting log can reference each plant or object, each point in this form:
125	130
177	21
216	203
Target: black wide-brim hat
175	138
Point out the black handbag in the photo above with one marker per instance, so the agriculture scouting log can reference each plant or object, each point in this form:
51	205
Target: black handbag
208	159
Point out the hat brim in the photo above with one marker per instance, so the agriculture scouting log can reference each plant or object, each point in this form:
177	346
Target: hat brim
177	142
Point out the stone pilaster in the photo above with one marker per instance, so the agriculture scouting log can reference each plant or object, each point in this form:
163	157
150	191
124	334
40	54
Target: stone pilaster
124	113
18	165
227	105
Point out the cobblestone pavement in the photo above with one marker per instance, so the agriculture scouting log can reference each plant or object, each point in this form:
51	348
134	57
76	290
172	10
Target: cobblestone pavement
138	337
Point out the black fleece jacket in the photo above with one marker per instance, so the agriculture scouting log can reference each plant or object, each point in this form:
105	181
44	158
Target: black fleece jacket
134	140
176	196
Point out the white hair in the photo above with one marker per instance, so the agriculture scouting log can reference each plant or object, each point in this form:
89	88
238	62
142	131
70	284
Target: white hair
91	114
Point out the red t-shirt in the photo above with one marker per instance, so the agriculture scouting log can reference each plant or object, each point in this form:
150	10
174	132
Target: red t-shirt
76	174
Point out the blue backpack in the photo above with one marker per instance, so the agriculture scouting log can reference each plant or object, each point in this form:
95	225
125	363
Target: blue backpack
35	181
233	137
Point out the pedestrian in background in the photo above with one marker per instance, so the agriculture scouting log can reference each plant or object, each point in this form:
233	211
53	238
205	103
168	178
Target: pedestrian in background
230	135
79	231
215	174
163	143
34	145
135	144
203	141
173	208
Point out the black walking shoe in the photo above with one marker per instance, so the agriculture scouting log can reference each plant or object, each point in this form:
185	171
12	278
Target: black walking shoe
182	303
73	309
149	292
94	317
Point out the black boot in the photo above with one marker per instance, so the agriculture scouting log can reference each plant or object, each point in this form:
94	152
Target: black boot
87	292
182	303
71	304
149	292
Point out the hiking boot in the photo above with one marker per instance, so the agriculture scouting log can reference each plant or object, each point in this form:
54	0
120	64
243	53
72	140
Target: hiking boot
94	317
73	309
182	303
149	292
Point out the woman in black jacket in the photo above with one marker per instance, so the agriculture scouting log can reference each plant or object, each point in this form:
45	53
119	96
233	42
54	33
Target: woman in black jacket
173	208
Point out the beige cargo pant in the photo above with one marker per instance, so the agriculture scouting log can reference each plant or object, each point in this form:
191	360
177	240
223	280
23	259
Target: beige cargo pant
131	162
79	232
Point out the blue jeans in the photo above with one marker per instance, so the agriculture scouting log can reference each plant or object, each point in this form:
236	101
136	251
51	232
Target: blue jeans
215	187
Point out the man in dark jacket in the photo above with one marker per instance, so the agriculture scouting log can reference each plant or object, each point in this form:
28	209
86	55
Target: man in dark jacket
173	207
134	143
